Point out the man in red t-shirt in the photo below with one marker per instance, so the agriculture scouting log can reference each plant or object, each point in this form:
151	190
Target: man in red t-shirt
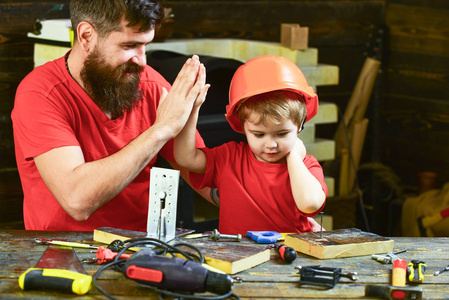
88	126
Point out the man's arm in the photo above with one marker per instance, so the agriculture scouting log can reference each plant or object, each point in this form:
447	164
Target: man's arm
83	187
307	191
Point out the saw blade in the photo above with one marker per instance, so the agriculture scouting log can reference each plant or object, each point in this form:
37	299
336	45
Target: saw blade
60	258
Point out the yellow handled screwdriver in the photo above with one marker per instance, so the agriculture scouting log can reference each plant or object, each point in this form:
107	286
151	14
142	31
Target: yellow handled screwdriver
55	279
63	243
416	270
58	269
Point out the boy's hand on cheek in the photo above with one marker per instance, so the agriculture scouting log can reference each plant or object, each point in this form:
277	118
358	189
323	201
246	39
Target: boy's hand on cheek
297	150
300	148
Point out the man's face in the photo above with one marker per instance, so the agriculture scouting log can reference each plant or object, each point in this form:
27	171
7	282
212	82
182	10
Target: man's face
270	142
111	71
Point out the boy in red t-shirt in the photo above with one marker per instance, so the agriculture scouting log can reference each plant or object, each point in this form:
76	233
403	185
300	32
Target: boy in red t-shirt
268	183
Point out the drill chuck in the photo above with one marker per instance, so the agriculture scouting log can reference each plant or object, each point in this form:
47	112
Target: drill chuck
218	283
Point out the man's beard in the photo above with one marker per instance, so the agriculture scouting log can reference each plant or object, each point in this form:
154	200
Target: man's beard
114	90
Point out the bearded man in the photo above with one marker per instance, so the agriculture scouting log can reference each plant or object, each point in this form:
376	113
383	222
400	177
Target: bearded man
88	126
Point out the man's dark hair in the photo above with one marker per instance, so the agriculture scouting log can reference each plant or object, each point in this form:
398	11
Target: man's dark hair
106	15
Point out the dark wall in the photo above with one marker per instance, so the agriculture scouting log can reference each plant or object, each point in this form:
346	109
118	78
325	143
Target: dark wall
408	122
415	89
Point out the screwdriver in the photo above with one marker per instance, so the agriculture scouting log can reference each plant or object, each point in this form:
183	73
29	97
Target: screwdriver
57	279
288	254
399	272
416	269
63	243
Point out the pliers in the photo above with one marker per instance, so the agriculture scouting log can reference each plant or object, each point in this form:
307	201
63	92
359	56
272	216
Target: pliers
388	258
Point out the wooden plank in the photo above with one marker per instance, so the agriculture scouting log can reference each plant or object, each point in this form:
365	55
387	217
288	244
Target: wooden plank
237	49
321	75
358	103
358	140
330	182
322	149
339	243
327	113
229	257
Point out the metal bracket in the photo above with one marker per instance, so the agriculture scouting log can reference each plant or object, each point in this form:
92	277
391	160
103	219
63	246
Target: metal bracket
163	201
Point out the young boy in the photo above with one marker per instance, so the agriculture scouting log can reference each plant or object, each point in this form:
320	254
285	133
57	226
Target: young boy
268	183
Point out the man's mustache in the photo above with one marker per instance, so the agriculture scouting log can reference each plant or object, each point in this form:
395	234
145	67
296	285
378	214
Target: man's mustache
130	68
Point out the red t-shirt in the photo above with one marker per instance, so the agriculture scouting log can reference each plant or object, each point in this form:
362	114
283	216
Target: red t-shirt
51	110
254	195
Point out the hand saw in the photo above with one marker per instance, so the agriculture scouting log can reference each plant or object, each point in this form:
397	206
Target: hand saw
58	269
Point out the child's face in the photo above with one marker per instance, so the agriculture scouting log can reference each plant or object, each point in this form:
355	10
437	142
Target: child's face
270	142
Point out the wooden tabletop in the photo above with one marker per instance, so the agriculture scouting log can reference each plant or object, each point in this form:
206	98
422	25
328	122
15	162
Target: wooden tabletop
271	280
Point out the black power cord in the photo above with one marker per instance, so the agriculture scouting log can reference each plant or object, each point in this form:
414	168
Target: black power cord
164	249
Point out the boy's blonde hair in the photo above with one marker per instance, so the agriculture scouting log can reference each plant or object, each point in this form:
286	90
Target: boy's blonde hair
277	106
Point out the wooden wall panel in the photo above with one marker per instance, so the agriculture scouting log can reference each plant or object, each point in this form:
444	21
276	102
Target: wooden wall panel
415	97
17	18
330	23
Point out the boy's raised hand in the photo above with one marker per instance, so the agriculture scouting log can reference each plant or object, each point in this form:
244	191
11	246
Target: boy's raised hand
175	106
202	95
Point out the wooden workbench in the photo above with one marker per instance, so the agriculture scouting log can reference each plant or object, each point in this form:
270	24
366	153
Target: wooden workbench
271	280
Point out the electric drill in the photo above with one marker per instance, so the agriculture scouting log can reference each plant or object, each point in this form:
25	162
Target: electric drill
175	274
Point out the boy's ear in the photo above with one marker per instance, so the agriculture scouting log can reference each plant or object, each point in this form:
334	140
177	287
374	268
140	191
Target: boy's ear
303	122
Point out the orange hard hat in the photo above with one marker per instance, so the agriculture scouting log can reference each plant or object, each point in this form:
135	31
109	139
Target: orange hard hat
265	74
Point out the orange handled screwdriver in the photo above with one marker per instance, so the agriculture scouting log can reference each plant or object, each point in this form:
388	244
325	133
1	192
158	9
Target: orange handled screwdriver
399	274
287	253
